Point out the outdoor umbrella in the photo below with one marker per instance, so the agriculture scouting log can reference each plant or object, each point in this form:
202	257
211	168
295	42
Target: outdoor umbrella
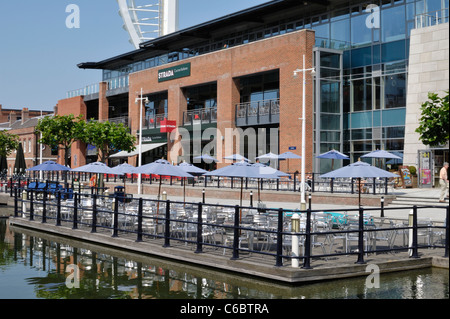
49	166
162	167
206	158
380	154
333	154
358	170
287	156
269	156
264	169
236	157
191	169
96	168
242	170
20	166
123	169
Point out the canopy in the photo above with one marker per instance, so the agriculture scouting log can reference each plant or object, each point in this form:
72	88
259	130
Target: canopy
288	155
358	170
381	154
145	148
96	168
333	154
242	170
49	166
236	157
20	165
206	158
269	156
162	167
267	170
124	168
192	169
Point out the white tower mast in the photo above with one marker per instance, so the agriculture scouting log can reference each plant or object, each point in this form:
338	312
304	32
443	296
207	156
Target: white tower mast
148	19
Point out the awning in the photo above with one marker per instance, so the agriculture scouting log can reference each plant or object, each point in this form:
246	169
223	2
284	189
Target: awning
145	148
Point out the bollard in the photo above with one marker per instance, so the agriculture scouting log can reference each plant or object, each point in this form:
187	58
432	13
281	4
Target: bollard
164	195
413	253
251	198
382	207
295	241
203	196
307	259
24	203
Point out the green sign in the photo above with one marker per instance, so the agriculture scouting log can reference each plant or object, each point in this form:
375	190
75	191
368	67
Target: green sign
176	72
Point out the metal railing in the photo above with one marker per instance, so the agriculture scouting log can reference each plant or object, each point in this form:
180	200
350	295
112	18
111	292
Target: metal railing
431	18
235	230
258	112
200	116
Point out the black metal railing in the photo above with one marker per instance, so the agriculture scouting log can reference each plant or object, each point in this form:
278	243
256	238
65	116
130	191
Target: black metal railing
257	231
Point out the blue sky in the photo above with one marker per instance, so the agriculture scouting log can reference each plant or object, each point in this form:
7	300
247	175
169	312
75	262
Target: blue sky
39	54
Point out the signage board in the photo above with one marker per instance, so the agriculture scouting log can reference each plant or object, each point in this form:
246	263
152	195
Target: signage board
175	72
168	126
292	148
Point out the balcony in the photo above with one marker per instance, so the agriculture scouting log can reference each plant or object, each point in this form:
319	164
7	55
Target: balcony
431	18
154	121
258	113
200	116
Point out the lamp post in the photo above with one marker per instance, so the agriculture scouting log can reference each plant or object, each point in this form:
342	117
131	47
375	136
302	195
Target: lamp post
303	118
140	136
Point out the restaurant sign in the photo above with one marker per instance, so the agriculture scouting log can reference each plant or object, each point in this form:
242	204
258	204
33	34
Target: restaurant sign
168	126
176	72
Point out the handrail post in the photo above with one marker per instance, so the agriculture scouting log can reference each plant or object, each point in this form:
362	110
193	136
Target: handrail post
94	214
167	226
116	216
236	234
279	260
44	207
58	208
16	202
307	259
31	205
361	237
139	228
199	229
447	233
75	211
414	250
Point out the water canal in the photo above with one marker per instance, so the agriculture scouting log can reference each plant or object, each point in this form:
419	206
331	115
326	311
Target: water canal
37	266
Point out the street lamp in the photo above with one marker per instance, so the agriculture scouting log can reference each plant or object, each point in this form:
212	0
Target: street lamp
140	135
303	118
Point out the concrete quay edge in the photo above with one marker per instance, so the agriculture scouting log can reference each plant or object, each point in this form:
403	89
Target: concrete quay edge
284	274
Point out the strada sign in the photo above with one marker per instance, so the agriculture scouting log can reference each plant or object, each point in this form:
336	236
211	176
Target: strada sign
176	72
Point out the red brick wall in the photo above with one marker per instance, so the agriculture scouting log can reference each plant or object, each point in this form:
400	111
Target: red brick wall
283	53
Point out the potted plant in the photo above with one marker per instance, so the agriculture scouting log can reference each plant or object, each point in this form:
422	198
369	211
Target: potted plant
413	171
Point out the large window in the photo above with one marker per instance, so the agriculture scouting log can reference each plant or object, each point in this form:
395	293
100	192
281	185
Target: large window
395	90
201	97
265	86
393	24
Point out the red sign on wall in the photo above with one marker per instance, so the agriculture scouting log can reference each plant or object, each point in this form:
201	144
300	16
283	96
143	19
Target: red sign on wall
168	126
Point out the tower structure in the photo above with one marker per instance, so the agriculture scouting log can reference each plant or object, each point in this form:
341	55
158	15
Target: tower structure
148	19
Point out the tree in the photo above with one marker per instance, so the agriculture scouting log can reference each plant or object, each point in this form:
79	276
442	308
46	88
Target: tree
108	137
8	143
61	131
434	123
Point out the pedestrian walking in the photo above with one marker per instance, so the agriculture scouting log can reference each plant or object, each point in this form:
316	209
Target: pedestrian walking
443	182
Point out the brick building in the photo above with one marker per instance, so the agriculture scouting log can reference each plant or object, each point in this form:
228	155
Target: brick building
237	73
23	123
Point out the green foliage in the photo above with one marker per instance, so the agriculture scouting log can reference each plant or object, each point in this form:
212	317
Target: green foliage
61	131
8	143
108	137
412	170
434	123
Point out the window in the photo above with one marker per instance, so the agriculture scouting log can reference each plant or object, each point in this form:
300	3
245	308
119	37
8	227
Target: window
360	34
362	95
395	90
393	24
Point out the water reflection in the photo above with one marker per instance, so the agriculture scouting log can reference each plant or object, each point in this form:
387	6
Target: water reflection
34	265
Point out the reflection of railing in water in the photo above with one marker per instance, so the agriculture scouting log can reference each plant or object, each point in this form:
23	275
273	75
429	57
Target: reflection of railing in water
262	231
